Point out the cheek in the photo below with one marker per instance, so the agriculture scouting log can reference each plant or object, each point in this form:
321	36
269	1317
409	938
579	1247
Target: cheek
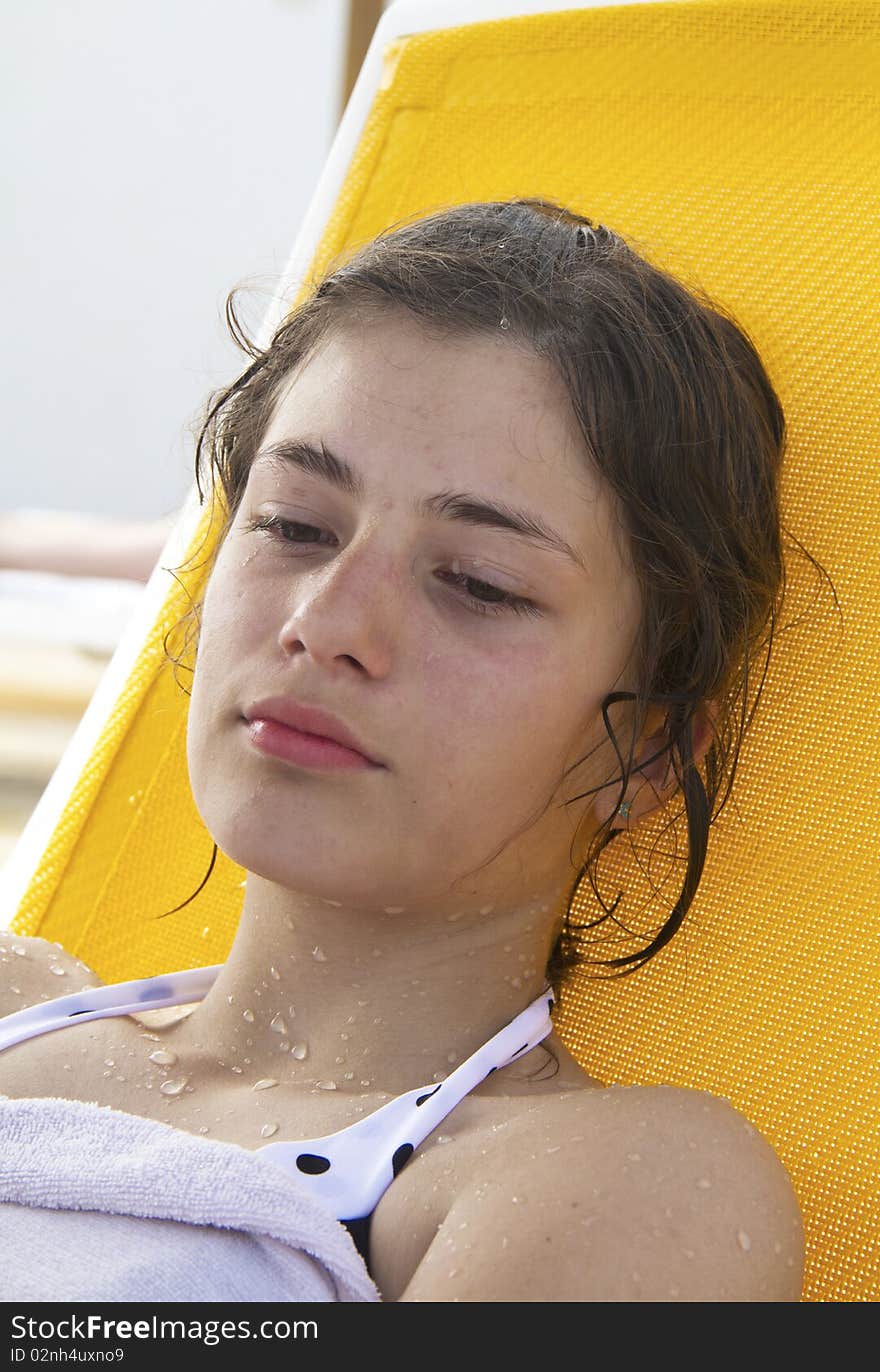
503	715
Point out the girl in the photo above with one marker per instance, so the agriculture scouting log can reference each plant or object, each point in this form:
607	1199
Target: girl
501	539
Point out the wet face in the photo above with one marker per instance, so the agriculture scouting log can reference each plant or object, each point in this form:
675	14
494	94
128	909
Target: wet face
471	659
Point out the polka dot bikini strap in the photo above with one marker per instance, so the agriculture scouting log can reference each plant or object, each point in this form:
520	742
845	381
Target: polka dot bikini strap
350	1170
98	1002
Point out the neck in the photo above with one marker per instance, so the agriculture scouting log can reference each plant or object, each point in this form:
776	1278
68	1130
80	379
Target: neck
315	995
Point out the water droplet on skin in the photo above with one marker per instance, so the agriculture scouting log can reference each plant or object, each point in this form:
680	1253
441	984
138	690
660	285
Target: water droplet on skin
268	1130
777	1247
273	972
108	1062
20	952
394	909
704	1183
203	1129
458	915
206	931
299	1051
248	1015
319	955
236	1069
505	1241
279	1024
163	1056
173	1086
634	1157
486	909
230	1000
326	1085
688	1252
264	1083
291	1012
744	1241
348	1076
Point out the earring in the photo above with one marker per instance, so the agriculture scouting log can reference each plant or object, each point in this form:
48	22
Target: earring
625	808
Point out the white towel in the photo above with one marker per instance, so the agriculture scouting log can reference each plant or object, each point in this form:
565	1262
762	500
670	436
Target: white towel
98	1204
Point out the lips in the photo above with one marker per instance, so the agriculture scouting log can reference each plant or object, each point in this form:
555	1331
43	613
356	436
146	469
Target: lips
309	719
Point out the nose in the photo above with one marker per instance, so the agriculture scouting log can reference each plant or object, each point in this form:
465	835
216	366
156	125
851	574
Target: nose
346	609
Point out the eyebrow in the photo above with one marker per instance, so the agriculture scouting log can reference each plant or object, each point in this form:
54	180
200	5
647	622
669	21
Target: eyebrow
463	506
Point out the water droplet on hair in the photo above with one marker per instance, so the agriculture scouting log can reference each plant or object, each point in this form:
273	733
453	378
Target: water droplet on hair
319	955
744	1241
248	1015
279	1024
268	1130
504	322
299	1051
326	1085
173	1086
264	1083
164	1057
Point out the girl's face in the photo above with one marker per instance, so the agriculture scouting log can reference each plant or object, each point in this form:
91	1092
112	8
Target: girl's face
470	657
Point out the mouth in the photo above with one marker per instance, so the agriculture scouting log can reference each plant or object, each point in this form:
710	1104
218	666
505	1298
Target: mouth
313	752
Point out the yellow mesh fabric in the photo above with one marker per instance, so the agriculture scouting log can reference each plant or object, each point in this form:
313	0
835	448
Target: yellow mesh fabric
737	139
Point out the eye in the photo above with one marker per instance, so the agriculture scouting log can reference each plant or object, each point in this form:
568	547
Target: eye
498	601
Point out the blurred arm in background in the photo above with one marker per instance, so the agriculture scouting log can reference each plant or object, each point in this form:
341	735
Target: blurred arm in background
80	544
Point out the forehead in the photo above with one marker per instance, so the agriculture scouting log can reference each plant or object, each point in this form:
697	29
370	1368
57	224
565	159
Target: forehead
414	409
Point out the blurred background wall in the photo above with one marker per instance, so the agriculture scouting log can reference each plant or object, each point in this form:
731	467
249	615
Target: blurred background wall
156	155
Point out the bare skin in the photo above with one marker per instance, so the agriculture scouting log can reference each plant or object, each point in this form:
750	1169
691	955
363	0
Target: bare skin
396	917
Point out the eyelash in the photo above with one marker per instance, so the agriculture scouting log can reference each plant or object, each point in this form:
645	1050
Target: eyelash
278	528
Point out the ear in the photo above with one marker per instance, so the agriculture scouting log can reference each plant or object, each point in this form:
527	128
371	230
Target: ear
653	781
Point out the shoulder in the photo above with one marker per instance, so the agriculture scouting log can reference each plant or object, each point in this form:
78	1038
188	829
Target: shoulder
33	970
621	1194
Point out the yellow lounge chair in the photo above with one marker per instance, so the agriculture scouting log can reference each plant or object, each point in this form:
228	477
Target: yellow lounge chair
737	140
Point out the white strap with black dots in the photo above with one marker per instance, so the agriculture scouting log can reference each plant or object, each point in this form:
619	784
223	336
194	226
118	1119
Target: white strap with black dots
350	1170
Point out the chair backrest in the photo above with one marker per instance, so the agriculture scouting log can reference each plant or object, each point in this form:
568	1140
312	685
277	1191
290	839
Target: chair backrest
738	138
